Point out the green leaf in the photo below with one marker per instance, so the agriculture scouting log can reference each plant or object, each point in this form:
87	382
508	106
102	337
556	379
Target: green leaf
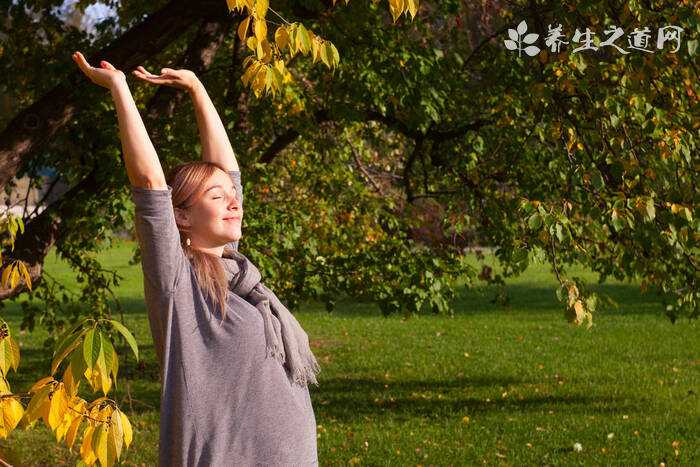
77	363
614	121
65	348
92	346
127	335
650	209
109	354
535	221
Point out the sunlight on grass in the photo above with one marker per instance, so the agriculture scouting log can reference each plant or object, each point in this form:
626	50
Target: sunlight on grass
517	384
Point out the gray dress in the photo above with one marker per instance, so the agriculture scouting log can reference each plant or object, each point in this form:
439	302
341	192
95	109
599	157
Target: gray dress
223	403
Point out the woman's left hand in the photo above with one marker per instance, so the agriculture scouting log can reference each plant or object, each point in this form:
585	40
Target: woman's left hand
181	79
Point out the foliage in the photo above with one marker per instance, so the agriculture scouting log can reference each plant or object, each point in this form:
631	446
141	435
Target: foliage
90	354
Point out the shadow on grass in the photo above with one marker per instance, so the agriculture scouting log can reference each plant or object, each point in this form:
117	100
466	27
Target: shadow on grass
350	399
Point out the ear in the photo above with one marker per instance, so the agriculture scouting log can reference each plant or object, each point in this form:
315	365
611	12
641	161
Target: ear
182	217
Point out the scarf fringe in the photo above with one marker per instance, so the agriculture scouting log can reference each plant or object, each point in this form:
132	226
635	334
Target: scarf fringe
272	351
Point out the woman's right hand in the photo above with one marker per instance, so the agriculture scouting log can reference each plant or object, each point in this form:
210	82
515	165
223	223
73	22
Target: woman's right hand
107	76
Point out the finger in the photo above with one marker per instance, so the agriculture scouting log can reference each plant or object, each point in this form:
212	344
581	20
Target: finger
145	72
149	78
82	63
107	65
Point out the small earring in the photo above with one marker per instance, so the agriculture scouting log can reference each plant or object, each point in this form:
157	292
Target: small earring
188	241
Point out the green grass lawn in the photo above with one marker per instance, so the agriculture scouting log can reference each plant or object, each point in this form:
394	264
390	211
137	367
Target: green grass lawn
492	385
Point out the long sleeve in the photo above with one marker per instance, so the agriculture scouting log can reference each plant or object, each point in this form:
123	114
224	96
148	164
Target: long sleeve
236	178
162	256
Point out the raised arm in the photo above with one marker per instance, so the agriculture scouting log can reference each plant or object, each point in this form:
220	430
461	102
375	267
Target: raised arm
142	164
162	256
216	146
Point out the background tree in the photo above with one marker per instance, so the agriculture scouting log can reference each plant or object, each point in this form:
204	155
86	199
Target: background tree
579	158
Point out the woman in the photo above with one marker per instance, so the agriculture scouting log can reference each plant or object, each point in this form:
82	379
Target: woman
234	390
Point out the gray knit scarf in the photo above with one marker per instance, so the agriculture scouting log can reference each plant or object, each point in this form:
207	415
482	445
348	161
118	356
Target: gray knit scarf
286	341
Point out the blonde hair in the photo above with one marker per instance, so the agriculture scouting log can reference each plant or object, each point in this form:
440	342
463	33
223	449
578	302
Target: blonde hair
187	181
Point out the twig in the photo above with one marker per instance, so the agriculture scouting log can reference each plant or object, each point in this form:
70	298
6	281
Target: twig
363	170
280	17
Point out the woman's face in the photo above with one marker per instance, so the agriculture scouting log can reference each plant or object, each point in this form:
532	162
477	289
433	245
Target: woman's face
215	218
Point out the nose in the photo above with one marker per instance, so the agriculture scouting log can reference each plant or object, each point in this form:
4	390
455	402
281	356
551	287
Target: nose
234	202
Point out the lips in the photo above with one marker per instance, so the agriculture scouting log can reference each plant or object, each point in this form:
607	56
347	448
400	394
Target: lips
231	218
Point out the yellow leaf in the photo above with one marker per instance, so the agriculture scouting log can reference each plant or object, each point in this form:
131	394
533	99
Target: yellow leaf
324	55
58	407
70	383
117	431
86	451
12	413
243	28
5	357
281	38
96	380
578	308
102	364
297	38
33	408
396	7
39	384
106	382
315	50
303	39
4	386
73	431
126	427
14	278
412	7
261	8
267	51
231	4
25	273
335	57
99	443
15	352
573	294
6	274
250	73
259	83
44	411
112	452
260	29
65	424
268	78
252	43
115	368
